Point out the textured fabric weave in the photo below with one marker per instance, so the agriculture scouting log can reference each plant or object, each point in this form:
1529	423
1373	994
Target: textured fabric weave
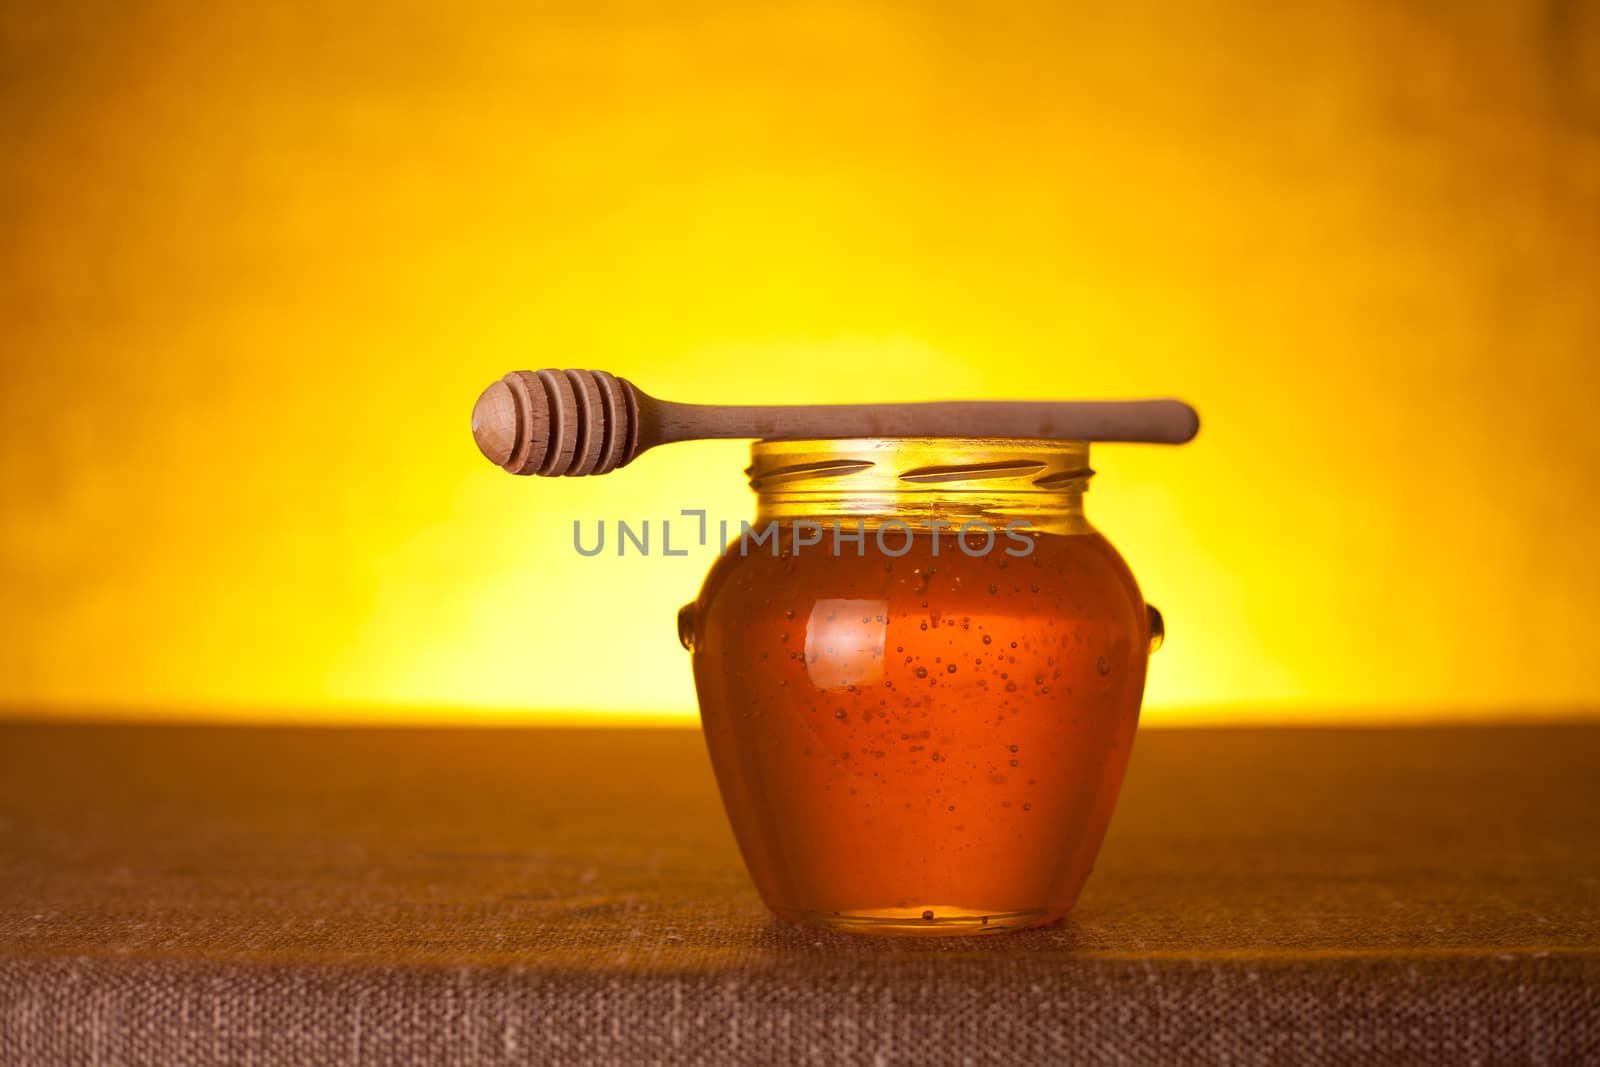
198	896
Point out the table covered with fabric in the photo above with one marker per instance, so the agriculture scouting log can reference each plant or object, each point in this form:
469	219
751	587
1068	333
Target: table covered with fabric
185	895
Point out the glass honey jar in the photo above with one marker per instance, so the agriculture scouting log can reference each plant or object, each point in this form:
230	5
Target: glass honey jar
919	672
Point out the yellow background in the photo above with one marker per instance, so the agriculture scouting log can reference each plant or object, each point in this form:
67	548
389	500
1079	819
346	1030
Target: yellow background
258	260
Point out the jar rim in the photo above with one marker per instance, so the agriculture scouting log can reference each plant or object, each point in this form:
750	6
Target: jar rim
919	464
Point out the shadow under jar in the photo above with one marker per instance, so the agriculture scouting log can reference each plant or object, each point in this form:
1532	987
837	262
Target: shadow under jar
919	672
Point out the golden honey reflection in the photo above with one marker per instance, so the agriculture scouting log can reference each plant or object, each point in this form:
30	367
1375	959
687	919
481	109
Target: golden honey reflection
259	260
844	642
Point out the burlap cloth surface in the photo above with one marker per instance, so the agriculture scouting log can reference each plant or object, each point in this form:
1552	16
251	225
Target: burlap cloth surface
265	896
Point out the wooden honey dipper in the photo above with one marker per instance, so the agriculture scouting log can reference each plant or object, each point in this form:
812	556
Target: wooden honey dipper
572	422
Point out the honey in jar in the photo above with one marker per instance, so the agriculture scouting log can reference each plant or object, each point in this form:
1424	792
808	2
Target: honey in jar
919	672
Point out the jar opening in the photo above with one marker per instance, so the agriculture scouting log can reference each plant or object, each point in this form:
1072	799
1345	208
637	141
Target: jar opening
930	477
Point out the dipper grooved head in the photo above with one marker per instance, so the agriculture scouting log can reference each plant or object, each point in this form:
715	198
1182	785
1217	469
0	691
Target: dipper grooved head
556	422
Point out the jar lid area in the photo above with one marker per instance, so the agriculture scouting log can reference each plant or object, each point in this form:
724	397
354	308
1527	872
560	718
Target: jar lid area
910	464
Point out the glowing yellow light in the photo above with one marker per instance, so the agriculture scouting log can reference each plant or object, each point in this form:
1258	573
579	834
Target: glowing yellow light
259	264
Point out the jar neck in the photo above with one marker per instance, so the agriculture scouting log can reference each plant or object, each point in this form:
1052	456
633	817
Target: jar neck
926	483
